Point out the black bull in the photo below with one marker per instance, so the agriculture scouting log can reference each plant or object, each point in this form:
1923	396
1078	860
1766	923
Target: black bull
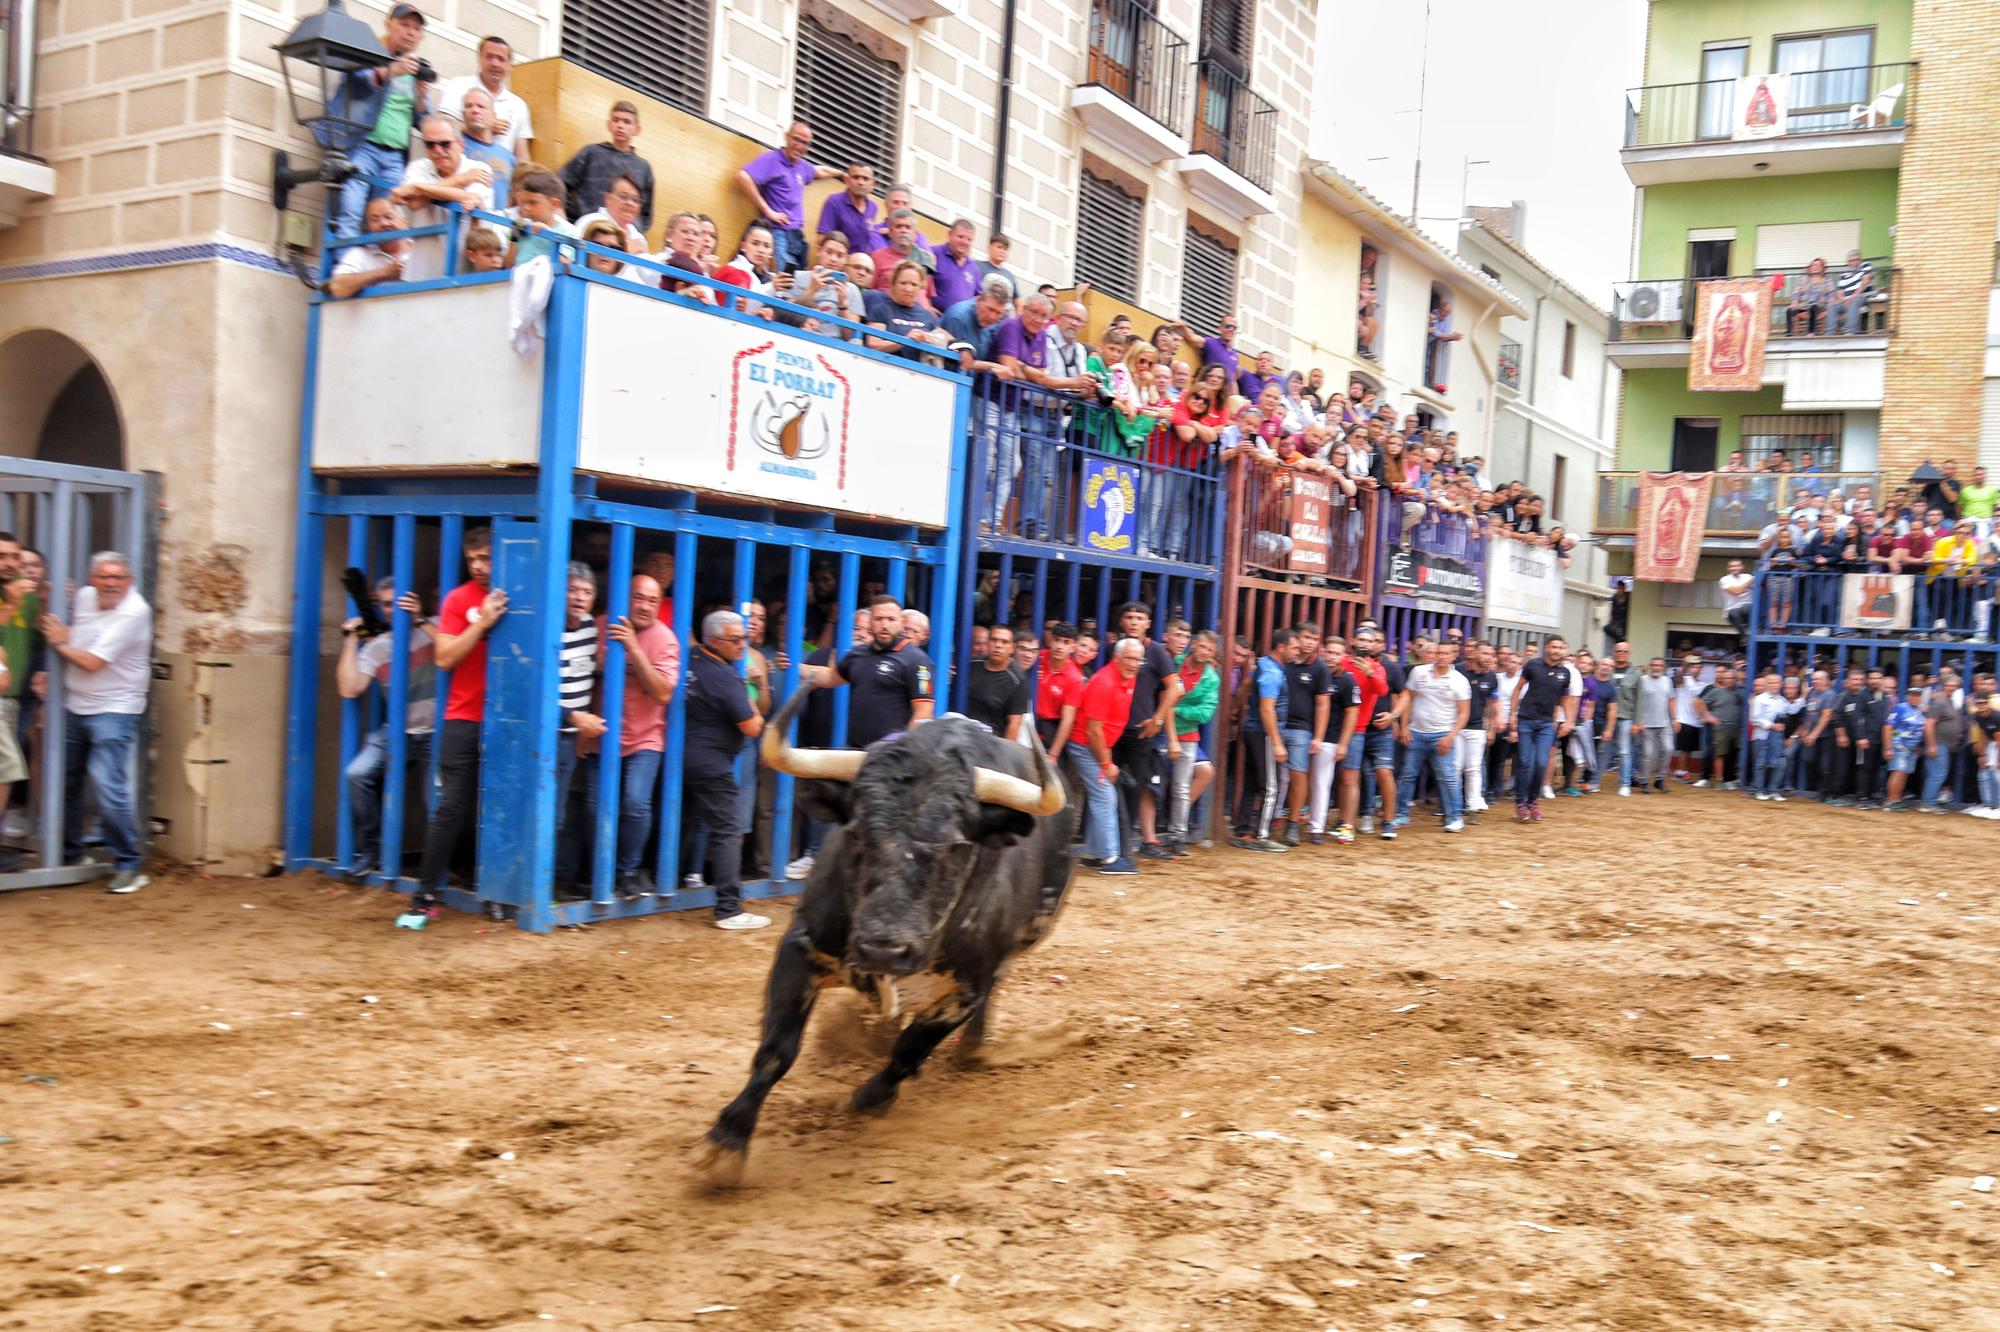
950	854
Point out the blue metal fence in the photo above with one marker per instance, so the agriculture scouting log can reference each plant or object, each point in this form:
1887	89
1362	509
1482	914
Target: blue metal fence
1947	606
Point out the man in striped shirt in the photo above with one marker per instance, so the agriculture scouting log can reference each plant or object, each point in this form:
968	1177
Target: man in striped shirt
576	676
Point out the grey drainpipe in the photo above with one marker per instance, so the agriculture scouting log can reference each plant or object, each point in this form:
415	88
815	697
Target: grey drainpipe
1004	111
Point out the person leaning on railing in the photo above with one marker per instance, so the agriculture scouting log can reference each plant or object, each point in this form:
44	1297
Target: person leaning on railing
364	266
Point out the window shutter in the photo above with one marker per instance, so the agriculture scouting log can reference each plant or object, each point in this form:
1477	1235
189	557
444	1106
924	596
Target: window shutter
1109	226
1790	245
852	98
658	48
1208	281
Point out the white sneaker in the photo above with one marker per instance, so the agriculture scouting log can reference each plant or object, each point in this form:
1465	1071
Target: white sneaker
1548	793
1367	824
1703	782
1976	811
1763	795
1456	825
1778	796
743	920
1991	814
689	882
15	824
1625	790
800	868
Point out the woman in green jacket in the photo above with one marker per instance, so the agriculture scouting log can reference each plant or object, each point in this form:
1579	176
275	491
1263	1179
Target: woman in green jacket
1192	770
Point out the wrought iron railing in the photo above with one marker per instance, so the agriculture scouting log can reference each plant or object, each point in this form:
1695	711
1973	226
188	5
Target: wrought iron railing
1821	101
1741	504
1803	304
1141	59
1234	125
1938	603
1510	366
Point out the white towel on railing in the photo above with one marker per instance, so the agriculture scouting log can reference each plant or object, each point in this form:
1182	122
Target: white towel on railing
528	305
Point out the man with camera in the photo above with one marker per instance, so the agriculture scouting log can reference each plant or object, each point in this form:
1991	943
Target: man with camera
391	99
365	647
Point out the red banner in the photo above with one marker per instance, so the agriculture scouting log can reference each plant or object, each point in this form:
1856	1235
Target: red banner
1732	318
1311	497
1673	510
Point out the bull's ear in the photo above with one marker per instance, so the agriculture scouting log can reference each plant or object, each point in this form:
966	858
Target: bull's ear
1000	826
829	802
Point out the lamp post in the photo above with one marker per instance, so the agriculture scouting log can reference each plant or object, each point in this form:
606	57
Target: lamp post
321	53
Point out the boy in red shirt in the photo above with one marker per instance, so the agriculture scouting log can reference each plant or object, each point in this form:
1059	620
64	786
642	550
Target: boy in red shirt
1059	686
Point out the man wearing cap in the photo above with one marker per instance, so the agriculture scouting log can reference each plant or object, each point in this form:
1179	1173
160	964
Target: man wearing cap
390	100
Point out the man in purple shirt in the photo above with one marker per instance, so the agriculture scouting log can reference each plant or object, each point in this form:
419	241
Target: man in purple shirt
775	183
853	211
1221	350
1024	430
957	277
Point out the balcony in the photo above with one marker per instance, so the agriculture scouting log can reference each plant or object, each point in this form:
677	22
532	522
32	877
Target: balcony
1823	120
24	177
1234	146
1740	505
1943	607
1510	366
1134	96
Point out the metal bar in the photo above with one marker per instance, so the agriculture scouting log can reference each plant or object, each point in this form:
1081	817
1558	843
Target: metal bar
787	682
55	713
843	636
611	667
350	714
668	850
402	568
451	554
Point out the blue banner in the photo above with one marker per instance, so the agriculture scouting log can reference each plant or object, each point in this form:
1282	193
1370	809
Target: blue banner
1110	507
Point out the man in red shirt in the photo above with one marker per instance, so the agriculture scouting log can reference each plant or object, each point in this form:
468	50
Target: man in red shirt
469	613
1059	686
1102	711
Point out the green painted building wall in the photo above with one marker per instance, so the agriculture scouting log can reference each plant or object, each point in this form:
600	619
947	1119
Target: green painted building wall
1669	212
1653	398
1646	627
1677	30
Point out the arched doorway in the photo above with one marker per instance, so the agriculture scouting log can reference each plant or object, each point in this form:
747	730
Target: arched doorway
61	408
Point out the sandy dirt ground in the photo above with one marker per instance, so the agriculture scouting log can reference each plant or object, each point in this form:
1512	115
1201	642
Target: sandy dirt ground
1690	1063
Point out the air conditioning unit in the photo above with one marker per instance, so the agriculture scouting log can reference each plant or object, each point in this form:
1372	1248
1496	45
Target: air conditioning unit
1653	302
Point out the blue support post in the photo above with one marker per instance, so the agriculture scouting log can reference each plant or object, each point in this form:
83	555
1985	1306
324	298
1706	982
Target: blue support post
350	715
1073	592
669	814
402	568
451	556
742	591
604	813
787	682
843	637
302	686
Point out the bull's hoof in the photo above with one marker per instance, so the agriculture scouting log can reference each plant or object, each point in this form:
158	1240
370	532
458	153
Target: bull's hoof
875	1096
718	1165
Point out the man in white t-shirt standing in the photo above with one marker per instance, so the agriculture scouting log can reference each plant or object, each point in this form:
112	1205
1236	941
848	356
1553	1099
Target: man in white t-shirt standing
444	175
1440	698
107	653
512	125
1736	586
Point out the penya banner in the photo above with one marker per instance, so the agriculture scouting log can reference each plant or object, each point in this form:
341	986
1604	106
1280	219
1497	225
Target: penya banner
1732	319
1673	506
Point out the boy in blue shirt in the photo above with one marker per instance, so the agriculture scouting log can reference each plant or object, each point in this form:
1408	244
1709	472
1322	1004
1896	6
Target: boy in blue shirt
1905	741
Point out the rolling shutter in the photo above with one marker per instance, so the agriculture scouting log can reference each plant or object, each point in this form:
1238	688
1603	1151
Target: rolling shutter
1208	281
658	48
1793	245
852	98
1109	227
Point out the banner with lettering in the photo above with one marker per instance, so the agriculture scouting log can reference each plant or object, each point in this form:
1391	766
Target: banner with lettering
1673	508
1110	516
1311	498
1732	319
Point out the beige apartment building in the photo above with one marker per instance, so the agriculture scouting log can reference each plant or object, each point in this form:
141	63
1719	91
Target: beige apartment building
149	319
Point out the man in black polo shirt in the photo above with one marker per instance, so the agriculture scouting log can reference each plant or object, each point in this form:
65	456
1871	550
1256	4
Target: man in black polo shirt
1309	708
1857	719
893	683
996	691
718	719
1142	751
1544	713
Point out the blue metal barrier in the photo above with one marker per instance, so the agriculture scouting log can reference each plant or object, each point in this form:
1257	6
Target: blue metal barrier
1814	604
1432	571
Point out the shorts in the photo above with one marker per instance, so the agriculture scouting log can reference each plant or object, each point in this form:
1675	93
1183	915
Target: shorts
1372	748
13	768
1141	760
1298	748
1722	741
1902	757
1687	740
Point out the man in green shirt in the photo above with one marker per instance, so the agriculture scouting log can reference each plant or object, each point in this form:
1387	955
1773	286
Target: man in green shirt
393	98
20	607
1977	500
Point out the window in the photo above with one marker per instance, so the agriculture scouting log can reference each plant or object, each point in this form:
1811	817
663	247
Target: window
1110	222
1569	350
849	88
1490	271
1721	66
1368	310
1208	279
1829	76
1817	434
1226	29
659	49
1558	487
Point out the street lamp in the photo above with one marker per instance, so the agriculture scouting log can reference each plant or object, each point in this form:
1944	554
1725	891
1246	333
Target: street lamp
321	52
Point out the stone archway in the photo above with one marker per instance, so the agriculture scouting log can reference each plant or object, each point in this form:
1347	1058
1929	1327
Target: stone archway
61	408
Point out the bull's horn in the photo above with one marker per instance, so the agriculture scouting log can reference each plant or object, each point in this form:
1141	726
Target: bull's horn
833	765
998	788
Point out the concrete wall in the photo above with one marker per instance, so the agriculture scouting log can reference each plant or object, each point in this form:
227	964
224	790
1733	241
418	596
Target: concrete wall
1677	29
1669	212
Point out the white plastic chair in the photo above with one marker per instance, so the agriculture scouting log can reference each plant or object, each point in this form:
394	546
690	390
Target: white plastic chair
1877	111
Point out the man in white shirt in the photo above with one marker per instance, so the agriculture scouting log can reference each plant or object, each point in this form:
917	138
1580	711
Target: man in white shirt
107	653
512	124
1736	585
1499	749
1440	698
363	266
444	176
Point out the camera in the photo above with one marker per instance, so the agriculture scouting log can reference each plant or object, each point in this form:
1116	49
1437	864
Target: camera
425	74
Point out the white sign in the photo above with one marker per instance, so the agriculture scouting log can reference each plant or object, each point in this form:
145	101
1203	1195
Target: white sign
1524	584
1761	103
685	398
1876	603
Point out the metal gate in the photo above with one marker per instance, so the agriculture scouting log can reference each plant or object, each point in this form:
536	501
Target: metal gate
64	514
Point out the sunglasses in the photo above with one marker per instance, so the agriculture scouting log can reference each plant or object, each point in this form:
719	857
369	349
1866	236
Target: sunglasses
439	143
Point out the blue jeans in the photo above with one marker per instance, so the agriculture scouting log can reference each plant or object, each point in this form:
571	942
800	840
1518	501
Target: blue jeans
1163	531
1101	840
1444	770
638	776
1034	425
789	245
1625	748
364	777
100	747
1798	759
1936	772
1531	759
1767	752
1989	787
372	160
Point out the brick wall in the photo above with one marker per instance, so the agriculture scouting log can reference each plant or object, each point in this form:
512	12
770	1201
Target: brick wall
1944	238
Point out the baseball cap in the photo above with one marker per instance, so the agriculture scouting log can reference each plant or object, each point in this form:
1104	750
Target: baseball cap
408	11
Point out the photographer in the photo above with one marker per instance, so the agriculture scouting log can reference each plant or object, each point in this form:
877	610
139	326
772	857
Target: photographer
365	646
391	98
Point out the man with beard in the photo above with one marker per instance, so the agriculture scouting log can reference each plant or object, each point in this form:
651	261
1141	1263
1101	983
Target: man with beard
1543	713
